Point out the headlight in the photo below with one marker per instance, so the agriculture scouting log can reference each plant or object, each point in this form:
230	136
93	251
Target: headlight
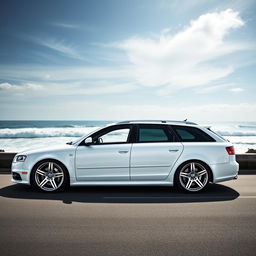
20	158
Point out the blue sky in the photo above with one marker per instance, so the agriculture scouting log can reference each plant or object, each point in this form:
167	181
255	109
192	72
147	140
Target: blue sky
113	60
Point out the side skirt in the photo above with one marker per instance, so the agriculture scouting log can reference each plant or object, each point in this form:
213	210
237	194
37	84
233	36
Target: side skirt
122	183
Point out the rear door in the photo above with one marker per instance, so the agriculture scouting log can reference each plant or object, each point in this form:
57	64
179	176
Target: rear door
154	152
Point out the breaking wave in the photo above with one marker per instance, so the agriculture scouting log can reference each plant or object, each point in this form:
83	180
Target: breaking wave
45	132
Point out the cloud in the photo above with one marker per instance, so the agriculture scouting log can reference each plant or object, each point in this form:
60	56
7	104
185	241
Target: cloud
105	89
187	59
210	89
71	26
72	80
19	88
63	74
76	88
59	46
65	25
184	60
237	89
90	88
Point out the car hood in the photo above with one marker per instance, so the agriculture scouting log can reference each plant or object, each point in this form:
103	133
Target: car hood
63	147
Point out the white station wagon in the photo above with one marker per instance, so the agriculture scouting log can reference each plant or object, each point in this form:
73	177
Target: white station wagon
163	153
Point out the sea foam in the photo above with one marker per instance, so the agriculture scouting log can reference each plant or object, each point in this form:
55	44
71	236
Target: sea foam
45	132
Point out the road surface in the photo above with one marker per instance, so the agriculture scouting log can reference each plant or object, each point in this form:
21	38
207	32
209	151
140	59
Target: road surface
129	220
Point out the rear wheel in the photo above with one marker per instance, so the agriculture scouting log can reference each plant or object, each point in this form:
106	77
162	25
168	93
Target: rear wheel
49	176
193	176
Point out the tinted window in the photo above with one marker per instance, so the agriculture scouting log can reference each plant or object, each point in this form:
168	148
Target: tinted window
191	134
152	134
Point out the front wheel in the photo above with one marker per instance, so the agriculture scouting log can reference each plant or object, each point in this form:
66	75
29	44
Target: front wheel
193	176
49	176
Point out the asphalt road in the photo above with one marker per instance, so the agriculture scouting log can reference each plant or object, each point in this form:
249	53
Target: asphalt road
129	220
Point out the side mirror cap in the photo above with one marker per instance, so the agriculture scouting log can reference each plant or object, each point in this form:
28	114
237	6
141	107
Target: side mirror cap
88	141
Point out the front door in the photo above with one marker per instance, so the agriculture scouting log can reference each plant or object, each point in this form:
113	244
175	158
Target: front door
107	158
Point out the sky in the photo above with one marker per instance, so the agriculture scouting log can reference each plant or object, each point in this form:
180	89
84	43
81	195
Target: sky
128	59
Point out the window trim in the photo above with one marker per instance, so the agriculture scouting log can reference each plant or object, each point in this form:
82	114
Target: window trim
105	130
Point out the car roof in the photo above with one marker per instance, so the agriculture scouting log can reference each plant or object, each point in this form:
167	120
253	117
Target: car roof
174	122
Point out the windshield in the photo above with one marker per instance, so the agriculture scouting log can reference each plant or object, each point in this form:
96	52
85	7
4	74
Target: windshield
81	138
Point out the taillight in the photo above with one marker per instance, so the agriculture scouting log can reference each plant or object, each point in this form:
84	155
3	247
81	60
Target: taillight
230	150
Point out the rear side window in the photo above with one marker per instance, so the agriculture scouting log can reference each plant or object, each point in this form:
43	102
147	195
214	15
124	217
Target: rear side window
152	133
192	134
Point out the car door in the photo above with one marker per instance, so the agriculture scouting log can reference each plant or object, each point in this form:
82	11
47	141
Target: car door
107	158
154	153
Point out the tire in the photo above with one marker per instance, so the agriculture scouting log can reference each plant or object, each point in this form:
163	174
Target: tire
192	176
49	176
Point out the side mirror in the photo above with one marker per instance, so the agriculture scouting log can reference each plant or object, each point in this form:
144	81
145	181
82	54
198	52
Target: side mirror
88	141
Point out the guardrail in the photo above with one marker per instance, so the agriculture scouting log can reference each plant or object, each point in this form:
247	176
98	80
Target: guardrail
246	161
6	162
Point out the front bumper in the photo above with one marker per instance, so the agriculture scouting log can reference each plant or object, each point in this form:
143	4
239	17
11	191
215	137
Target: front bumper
20	174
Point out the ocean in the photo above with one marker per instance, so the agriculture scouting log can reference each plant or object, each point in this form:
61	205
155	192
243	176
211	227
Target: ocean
17	136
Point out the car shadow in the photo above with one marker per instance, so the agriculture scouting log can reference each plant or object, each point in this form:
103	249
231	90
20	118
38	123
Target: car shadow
118	194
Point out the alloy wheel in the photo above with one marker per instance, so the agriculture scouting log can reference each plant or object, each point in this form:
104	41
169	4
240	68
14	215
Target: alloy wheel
49	176
193	176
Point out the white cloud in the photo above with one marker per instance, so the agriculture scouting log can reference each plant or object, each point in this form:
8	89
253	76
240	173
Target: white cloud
183	60
60	46
210	89
237	89
106	89
168	63
19	88
90	88
76	88
62	74
64	25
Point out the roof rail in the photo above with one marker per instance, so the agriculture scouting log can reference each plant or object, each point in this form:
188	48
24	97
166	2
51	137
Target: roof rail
157	121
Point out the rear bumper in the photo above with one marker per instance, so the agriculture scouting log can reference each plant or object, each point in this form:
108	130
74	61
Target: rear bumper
225	171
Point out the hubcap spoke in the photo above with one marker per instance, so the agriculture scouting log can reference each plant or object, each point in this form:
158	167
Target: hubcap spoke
53	183
44	181
58	175
199	183
192	167
50	166
201	173
184	174
40	172
189	183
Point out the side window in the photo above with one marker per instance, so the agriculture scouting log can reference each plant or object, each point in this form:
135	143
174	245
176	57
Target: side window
192	134
152	134
116	135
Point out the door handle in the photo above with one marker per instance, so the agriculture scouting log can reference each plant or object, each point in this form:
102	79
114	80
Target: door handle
123	151
173	150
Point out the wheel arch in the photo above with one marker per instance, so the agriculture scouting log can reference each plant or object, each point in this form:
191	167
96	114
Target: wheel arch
49	159
196	160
